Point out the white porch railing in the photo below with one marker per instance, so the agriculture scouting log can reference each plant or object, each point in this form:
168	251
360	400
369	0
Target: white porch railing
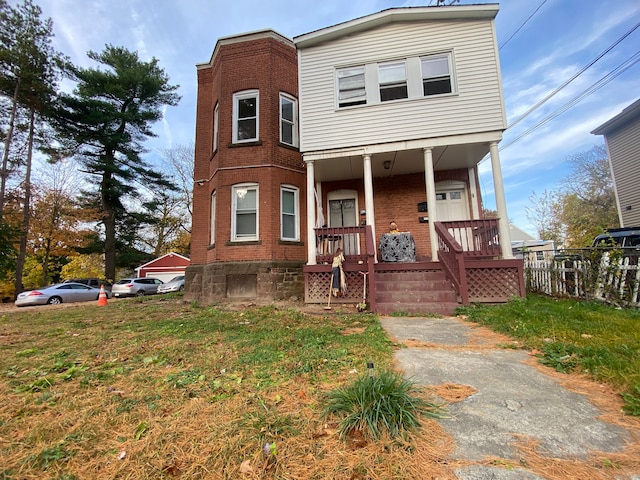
611	276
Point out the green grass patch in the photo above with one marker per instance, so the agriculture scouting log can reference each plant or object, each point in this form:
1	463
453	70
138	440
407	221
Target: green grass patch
573	336
379	404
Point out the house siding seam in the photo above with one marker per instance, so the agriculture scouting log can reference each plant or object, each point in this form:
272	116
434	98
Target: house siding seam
476	107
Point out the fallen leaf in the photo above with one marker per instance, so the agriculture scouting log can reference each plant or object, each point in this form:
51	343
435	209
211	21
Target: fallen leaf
245	467
122	455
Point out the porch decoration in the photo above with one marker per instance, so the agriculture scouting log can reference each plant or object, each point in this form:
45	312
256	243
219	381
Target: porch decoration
397	247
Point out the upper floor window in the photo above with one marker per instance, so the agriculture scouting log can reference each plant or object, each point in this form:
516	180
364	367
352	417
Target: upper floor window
216	126
436	74
212	226
290	224
351	87
393	81
245	116
288	120
244	213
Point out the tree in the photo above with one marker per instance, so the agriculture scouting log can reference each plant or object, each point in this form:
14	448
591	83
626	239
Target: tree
545	214
589	204
105	121
582	207
58	220
29	69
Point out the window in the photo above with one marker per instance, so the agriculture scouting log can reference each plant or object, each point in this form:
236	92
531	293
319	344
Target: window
436	74
351	89
288	120
245	116
212	227
393	81
244	214
216	126
289	227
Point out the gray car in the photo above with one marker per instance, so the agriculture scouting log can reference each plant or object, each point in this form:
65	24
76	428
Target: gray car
132	287
176	284
56	294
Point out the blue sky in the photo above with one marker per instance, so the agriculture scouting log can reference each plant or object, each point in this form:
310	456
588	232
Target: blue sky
555	44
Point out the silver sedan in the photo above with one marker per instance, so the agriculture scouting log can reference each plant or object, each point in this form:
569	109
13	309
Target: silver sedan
56	294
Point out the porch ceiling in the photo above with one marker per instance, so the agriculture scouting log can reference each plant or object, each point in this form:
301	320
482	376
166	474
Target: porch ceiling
400	162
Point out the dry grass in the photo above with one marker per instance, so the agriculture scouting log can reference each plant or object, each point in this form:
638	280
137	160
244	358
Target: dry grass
153	389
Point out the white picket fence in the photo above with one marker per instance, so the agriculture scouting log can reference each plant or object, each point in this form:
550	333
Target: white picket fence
613	277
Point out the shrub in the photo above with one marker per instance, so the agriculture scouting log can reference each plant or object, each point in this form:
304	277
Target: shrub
379	403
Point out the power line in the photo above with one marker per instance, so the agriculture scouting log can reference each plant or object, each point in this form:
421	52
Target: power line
545	99
523	24
623	67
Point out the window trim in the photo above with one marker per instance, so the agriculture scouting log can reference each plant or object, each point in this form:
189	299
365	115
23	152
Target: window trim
212	218
234	197
216	126
296	214
450	76
351	103
293	122
394	84
253	93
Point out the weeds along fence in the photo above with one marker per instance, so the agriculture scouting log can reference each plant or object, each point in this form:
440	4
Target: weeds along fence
612	276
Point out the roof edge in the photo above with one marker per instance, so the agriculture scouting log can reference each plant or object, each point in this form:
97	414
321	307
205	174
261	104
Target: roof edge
627	114
487	11
244	37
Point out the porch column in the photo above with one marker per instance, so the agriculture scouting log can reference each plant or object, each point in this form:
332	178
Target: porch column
311	215
431	201
368	202
501	203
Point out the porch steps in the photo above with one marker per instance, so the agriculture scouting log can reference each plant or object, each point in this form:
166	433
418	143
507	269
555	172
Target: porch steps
420	292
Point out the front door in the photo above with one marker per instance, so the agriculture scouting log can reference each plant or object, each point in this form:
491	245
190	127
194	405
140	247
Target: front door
451	204
343	213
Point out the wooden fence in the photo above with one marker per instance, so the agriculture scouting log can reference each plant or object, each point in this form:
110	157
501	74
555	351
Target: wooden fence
610	276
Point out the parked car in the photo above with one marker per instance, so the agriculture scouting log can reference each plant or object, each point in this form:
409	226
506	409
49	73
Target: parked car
92	282
176	284
59	293
627	237
130	287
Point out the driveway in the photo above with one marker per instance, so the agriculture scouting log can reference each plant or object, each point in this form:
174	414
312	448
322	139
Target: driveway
517	419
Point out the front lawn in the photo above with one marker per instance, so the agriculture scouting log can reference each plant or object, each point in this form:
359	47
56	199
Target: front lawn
153	388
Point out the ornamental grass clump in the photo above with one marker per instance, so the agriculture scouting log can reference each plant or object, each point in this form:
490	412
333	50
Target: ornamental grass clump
380	403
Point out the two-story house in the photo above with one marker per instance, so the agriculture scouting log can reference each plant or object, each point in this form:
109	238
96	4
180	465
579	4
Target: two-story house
396	111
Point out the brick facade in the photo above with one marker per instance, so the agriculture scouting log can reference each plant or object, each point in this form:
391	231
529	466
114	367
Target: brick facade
266	62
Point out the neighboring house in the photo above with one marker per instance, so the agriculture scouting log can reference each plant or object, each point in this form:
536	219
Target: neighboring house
165	267
523	243
622	137
396	111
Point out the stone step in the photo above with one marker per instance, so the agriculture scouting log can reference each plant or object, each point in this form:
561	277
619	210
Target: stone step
413	286
441	308
417	298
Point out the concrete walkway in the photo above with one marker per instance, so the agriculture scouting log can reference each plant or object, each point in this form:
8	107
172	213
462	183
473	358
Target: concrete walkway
512	398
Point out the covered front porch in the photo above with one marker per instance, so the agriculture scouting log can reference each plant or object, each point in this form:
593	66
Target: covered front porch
469	259
430	188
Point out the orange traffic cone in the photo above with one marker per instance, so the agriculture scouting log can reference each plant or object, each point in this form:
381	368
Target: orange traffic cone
102	298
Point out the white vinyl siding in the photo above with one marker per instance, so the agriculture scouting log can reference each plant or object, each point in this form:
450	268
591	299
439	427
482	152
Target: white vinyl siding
475	106
624	151
244	213
289	214
246	116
